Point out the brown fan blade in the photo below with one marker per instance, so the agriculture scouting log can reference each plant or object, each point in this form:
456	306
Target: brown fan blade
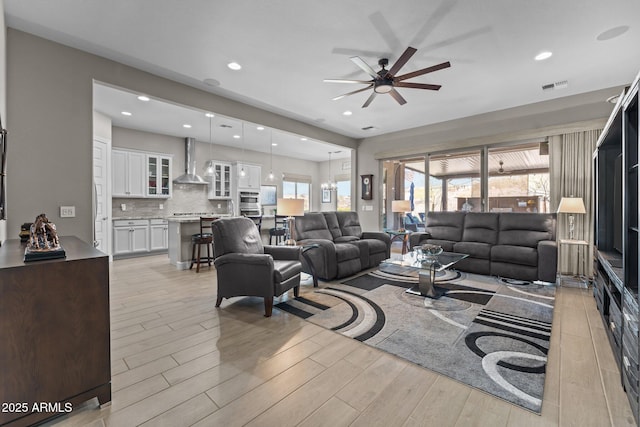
423	71
368	101
351	93
365	67
394	93
366	82
408	53
417	85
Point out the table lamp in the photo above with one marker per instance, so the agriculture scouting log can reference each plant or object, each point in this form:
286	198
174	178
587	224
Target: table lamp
291	208
401	207
571	205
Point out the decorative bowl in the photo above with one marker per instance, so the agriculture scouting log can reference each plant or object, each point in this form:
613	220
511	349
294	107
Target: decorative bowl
430	250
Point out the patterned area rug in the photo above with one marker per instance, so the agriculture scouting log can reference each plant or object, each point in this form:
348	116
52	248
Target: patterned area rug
483	331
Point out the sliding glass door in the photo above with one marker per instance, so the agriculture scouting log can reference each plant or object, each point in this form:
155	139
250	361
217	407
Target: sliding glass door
454	182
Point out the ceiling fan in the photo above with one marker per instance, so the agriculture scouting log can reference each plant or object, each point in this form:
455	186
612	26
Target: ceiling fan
386	81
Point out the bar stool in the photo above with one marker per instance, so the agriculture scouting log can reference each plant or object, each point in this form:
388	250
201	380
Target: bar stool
205	237
279	233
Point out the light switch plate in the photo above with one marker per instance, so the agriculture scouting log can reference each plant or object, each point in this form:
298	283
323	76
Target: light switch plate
67	211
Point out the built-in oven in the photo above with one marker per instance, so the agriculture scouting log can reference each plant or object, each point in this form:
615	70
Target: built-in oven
249	203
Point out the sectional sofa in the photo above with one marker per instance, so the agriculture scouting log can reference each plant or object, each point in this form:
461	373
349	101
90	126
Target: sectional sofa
344	249
511	245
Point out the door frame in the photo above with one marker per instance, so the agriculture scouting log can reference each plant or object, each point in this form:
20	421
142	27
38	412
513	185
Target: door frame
107	195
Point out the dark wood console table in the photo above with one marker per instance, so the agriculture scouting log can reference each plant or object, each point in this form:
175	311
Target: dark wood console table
54	332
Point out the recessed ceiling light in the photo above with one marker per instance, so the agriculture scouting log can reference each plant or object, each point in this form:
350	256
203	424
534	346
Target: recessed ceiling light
543	55
236	136
260	127
303	139
612	33
186	125
211	82
274	144
347	113
143	98
125	113
209	115
234	66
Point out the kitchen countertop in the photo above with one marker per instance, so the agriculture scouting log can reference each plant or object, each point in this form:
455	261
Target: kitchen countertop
131	218
194	218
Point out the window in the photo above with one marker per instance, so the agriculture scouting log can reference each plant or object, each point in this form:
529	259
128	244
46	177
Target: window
343	194
297	190
454	182
518	179
404	180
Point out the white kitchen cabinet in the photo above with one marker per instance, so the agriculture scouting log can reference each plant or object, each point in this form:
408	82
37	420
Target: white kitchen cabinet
130	236
158	234
252	176
158	176
128	173
220	182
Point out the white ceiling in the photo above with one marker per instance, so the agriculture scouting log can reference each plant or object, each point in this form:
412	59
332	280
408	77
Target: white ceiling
287	47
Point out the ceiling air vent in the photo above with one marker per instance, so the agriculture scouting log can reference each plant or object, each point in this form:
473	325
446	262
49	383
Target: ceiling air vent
368	128
557	85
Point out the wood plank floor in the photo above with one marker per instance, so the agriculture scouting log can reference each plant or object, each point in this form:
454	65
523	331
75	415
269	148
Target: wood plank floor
179	361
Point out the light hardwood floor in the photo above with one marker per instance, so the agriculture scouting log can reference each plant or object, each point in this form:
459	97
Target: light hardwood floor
179	361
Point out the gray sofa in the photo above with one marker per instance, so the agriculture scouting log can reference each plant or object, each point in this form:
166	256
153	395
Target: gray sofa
344	248
511	245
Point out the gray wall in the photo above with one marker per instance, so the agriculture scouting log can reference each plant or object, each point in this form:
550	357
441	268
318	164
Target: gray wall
49	100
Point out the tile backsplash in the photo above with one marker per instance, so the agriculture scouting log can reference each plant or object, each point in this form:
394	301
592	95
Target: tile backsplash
185	198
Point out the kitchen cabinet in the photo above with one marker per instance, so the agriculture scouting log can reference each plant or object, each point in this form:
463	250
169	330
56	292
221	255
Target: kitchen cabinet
220	182
158	234
252	176
128	173
130	236
158	176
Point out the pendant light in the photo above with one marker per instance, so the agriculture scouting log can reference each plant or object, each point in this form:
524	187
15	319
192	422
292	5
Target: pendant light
271	154
242	172
329	184
209	165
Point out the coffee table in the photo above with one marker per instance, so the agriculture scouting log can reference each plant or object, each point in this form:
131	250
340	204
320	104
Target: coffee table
428	270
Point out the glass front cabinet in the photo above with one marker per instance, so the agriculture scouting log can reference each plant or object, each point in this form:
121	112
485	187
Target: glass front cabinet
220	182
158	176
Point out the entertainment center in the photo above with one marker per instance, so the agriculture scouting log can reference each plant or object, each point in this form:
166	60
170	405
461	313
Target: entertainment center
616	237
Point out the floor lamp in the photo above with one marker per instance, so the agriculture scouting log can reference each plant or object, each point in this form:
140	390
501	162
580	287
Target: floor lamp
401	207
571	206
290	208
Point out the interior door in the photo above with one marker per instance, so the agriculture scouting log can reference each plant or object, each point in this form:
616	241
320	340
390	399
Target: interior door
101	196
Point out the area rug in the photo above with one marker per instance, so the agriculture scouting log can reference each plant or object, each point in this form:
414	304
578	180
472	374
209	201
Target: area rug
483	331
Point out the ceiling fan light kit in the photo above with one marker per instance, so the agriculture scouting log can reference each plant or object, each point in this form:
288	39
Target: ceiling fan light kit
386	81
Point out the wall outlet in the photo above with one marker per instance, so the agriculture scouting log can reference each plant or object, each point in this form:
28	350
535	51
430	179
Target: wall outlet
219	205
161	206
123	207
67	211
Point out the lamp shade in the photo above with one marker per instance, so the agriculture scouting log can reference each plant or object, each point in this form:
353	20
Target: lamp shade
571	205
400	206
290	207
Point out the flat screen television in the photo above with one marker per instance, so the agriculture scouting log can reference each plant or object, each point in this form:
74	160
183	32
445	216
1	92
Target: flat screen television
617	204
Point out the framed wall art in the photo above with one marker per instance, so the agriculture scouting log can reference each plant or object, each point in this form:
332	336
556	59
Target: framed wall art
326	195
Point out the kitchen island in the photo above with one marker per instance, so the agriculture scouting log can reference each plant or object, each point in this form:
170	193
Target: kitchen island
181	228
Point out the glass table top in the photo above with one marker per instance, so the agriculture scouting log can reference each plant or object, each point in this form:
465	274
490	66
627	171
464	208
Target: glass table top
413	261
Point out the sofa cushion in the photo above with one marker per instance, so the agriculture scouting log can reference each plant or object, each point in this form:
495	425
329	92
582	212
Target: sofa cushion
332	224
349	223
445	225
514	255
473	249
313	225
345	239
481	227
346	251
525	229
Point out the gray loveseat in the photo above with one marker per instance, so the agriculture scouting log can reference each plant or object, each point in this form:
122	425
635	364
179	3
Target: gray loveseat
511	245
344	248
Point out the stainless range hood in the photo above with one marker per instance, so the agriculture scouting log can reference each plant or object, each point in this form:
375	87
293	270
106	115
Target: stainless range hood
189	176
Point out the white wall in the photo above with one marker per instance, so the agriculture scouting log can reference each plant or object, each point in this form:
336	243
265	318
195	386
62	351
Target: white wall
49	102
3	91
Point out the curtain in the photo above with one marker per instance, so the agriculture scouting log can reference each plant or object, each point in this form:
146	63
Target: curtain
570	170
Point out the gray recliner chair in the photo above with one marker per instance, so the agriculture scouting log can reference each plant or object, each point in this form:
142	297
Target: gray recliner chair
247	268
